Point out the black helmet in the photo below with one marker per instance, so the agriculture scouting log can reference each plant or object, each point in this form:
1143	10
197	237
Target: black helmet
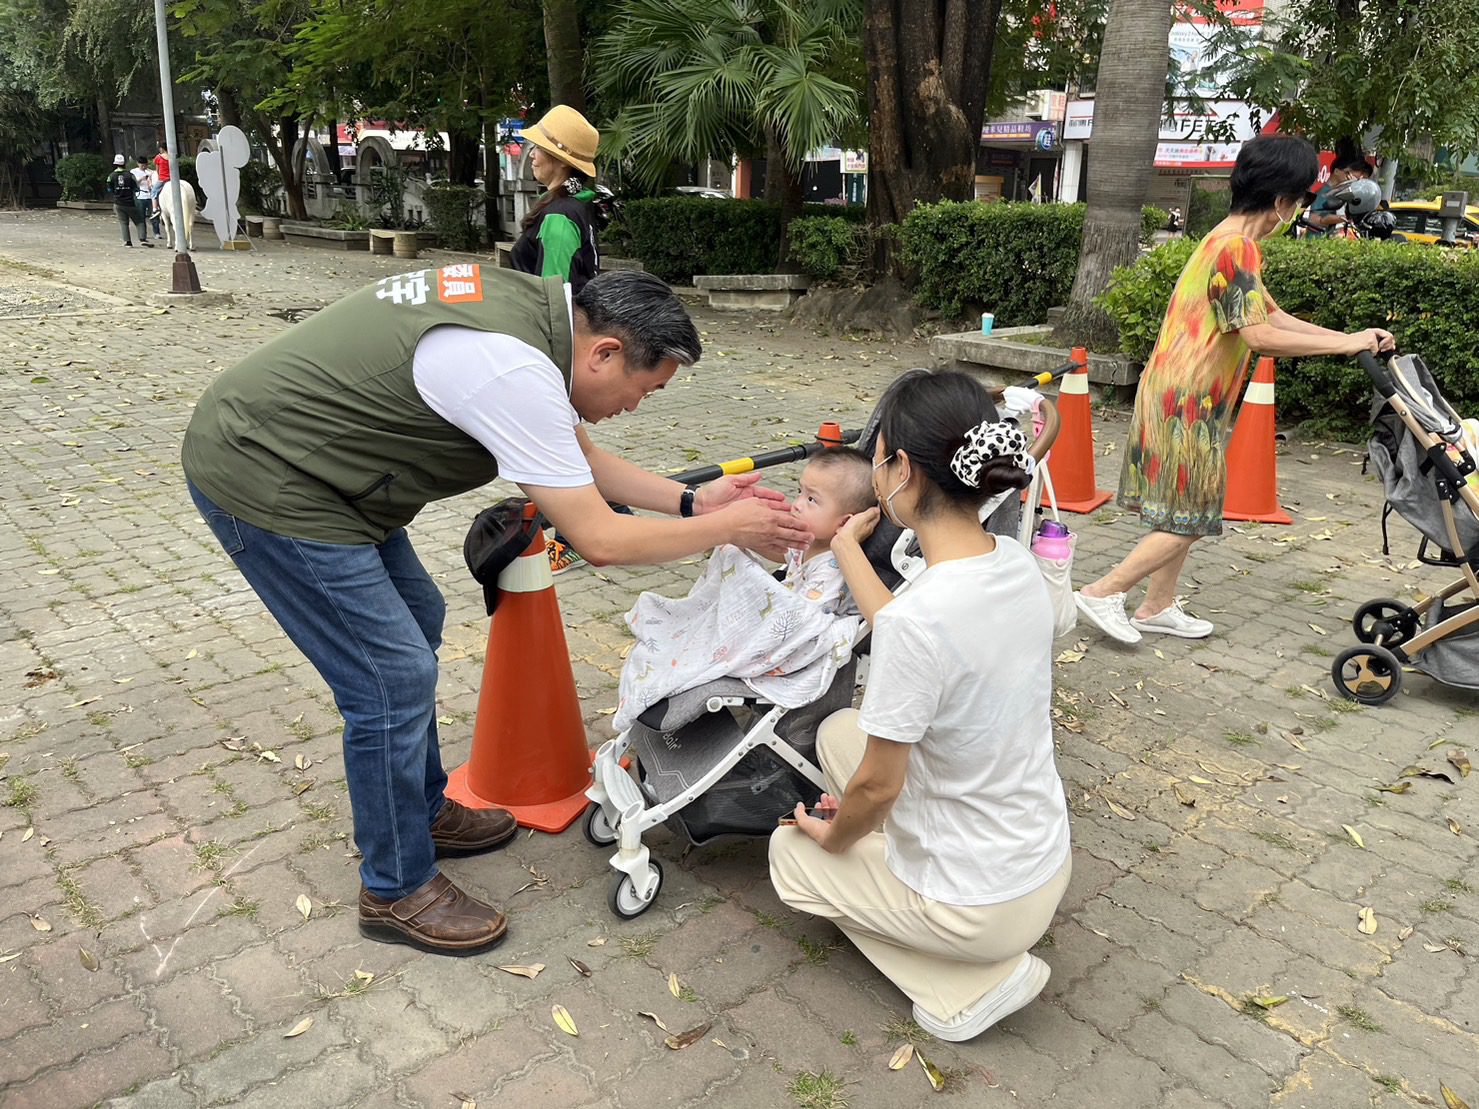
1378	224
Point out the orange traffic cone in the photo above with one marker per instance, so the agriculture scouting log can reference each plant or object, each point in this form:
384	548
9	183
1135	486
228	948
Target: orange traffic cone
1252	473
529	752
1072	456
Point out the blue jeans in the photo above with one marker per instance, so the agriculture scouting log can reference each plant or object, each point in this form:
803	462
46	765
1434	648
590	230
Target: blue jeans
369	618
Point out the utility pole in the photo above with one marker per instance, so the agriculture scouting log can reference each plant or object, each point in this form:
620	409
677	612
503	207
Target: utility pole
185	280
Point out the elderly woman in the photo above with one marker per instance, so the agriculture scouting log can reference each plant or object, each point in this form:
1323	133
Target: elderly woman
1175	471
951	754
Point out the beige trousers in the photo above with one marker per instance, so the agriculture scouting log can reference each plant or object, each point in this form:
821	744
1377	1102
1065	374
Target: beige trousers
944	957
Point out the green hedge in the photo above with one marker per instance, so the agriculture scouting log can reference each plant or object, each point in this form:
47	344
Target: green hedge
82	176
452	210
1015	260
828	248
1425	296
677	237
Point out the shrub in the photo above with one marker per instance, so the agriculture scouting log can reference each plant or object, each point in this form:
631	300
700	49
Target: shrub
82	176
187	171
1152	219
451	209
259	186
1423	295
1206	209
677	237
828	247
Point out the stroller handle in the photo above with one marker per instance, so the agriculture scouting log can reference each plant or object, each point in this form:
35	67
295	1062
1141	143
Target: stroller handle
1377	371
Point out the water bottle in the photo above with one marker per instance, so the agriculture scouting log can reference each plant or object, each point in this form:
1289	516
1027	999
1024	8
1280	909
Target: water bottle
988	321
1052	541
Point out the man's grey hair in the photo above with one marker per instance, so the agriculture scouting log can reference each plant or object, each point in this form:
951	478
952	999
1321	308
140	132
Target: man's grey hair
643	313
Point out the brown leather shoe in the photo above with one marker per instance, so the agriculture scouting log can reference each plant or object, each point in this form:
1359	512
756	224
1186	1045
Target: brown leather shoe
459	830
438	917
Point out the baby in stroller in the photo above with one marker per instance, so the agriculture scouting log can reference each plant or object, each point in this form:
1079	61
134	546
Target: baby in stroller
739	622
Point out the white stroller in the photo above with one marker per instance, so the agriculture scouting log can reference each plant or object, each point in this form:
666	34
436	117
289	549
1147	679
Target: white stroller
703	772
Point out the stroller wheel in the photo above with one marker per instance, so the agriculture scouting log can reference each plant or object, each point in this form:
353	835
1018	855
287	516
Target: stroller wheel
1369	674
623	899
1386	619
597	828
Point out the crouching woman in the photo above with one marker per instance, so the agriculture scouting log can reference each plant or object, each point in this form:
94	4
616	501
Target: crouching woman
948	851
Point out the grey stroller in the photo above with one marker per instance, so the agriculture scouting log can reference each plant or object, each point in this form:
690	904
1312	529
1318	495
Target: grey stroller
1418	450
717	760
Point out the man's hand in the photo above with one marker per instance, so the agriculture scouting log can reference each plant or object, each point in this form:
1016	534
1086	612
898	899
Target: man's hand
857	527
764	526
731	488
810	826
1373	339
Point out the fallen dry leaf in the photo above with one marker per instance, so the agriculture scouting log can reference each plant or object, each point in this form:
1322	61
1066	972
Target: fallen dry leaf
28	833
674	986
298	1029
304	905
692	1036
1355	835
465	1101
1318	630
1070	656
654	1018
1367	925
1269	1001
302	762
1200	781
562	1019
599	941
1453	826
531	971
1184	795
1433	948
365	976
1400	787
583	970
932	1072
1119	810
901	1057
87	958
39	924
1450	1099
1460	763
1405	933
12	955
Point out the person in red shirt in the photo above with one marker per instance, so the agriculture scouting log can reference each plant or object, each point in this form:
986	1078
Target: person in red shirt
161	175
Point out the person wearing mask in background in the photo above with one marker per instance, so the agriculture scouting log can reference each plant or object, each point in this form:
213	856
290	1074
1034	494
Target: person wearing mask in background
558	235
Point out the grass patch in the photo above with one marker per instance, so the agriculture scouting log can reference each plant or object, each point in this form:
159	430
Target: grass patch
1239	739
320	811
1308	586
816	953
1316	650
818	1091
1046	942
639	946
905	1031
86	913
208	856
1357	1017
69	768
1390	1081
1457	885
243	907
1436	905
1277	839
766	920
22	793
849	1037
134	762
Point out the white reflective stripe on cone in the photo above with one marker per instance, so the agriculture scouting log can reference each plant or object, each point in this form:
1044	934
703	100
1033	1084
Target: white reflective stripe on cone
1259	392
1075	383
527	574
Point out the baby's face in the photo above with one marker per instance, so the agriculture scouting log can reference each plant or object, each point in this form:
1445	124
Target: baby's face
819	507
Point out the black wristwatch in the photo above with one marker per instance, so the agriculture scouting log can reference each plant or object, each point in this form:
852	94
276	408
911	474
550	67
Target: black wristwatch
685	502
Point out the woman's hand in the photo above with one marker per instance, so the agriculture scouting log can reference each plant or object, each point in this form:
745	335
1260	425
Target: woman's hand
1373	339
814	828
856	527
734	487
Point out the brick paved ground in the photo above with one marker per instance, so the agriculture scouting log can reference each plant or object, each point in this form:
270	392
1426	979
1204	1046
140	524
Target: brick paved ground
151	953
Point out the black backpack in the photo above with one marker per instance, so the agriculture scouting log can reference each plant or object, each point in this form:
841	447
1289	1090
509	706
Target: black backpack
124	185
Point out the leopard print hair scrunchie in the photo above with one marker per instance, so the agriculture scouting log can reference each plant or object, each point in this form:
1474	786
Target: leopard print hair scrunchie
986	441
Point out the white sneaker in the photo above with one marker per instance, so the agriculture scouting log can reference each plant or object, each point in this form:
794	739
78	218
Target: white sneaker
1021	987
1108	615
1174	621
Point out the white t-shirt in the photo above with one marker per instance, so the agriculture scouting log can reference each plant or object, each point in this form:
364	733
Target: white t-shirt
962	668
145	178
508	396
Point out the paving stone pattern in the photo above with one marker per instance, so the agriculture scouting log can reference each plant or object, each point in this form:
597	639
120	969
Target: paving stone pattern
157	831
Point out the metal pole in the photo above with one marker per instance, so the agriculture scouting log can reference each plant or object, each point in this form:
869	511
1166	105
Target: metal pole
185	279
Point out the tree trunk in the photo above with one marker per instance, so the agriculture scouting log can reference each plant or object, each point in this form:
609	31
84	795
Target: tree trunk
462	153
280	144
105	129
563	55
929	67
336	164
1128	101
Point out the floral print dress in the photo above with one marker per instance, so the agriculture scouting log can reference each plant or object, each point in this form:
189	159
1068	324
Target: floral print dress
1175	469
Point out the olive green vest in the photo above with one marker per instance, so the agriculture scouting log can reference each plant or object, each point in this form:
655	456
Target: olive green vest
320	434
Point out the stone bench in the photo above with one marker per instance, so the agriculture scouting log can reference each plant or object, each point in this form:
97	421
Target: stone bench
310	234
997	360
403	244
754	292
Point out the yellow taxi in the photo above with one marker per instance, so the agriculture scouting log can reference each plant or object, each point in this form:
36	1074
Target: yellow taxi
1418	222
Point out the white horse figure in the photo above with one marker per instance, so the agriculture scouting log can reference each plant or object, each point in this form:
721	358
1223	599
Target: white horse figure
219	172
167	212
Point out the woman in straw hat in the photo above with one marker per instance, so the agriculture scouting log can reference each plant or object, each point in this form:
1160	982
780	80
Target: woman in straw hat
558	236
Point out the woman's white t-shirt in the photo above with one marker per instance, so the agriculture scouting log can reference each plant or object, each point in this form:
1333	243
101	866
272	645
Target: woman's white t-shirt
962	669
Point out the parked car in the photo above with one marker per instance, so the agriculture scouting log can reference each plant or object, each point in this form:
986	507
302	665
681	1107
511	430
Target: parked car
1418	222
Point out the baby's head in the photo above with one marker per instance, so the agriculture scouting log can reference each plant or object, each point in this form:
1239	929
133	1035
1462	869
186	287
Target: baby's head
835	484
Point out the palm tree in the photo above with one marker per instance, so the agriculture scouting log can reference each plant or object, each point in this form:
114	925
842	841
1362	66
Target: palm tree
1128	102
696	79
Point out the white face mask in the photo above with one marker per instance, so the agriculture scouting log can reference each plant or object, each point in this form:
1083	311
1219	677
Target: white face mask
888	501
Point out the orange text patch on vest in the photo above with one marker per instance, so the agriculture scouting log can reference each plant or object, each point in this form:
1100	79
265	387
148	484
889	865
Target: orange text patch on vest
459	283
